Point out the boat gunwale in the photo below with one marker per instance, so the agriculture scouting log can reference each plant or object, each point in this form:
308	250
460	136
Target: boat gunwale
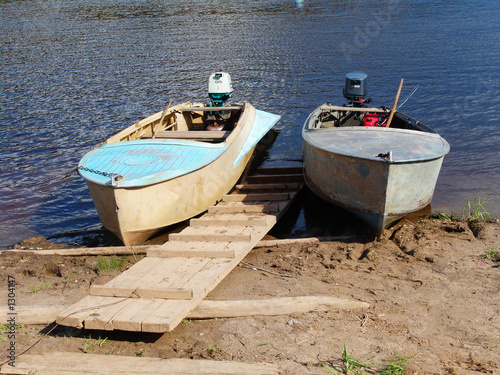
156	178
310	135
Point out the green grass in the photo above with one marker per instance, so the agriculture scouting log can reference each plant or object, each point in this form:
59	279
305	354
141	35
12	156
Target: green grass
440	215
42	286
110	263
90	345
140	353
213	349
396	365
488	254
352	365
472	211
475	210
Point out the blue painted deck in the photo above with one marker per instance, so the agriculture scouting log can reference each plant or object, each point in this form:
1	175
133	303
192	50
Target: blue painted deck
264	121
146	162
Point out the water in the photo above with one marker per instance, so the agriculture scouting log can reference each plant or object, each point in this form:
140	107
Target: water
74	73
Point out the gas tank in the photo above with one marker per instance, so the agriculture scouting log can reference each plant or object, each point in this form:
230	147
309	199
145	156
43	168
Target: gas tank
375	119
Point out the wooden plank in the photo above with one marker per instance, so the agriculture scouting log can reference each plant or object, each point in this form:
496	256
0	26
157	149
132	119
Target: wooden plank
193	134
154	276
169	276
268	186
140	292
101	319
179	278
135	277
140	308
243	208
273	306
212	109
167	316
352	109
230	220
193	249
280	170
131	318
211	233
266	179
208	237
66	363
291	241
205	280
201	283
84	251
256	197
77	313
226	248
171	313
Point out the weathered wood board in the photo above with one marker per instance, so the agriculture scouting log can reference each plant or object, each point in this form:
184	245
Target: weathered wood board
162	289
99	364
207	309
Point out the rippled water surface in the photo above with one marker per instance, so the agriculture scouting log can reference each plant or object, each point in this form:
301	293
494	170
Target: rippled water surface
75	72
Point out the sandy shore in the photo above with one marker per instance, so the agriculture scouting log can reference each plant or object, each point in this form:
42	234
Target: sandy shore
433	288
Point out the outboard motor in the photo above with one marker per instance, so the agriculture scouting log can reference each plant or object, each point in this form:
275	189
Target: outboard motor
356	88
220	88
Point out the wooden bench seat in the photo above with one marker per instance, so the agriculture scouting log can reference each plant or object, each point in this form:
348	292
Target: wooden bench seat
204	135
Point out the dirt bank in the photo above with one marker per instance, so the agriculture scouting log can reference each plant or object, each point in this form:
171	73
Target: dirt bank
433	288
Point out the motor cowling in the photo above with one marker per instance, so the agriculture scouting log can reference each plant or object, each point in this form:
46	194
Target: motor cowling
220	88
356	89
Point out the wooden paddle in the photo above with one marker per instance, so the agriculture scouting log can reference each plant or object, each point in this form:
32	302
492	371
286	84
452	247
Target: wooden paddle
161	120
395	104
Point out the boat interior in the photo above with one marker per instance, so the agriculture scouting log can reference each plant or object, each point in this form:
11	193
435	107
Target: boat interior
186	122
335	117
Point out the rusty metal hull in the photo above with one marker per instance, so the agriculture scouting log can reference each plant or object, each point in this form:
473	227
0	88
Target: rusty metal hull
345	166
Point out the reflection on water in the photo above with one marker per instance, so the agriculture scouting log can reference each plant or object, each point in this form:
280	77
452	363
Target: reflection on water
73	73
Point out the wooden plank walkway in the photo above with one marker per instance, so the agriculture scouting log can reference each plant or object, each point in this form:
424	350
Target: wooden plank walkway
159	291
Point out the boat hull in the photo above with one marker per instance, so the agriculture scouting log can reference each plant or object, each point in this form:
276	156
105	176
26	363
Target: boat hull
378	192
136	214
142	186
347	167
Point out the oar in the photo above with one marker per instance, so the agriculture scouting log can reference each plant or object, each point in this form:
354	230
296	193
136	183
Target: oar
161	120
395	104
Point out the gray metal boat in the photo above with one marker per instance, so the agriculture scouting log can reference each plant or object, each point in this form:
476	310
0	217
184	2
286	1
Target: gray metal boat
377	163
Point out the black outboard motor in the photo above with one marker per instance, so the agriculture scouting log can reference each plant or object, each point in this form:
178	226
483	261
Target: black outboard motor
356	88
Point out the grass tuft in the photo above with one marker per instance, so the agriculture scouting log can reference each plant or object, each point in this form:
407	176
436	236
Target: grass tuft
488	254
42	286
475	210
352	365
110	263
396	365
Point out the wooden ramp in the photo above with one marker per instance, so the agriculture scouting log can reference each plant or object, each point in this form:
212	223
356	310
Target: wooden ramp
159	291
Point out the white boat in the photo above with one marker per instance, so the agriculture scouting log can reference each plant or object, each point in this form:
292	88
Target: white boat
381	165
174	164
